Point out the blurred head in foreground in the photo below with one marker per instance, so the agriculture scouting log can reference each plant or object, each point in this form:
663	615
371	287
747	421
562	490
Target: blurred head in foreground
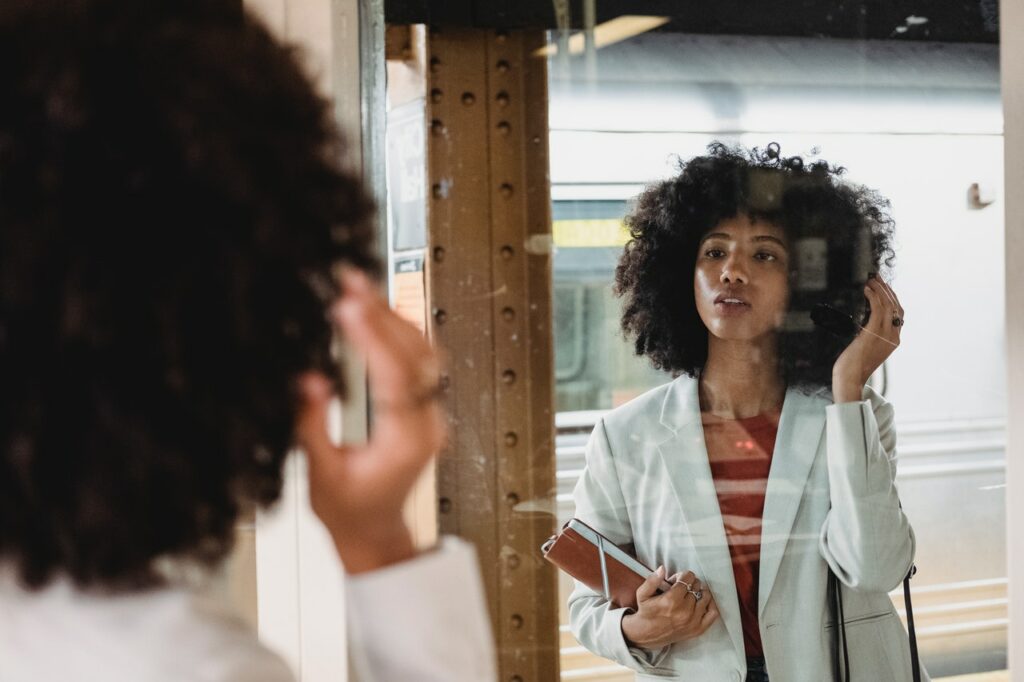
172	209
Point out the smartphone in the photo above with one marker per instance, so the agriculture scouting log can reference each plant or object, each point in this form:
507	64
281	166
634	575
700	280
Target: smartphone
834	320
837	271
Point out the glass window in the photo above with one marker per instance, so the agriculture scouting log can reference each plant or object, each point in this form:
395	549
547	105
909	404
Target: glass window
915	117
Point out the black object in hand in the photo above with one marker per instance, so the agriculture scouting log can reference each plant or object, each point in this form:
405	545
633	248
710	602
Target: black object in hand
833	320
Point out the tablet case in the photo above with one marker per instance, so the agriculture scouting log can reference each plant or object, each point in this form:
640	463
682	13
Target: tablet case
584	560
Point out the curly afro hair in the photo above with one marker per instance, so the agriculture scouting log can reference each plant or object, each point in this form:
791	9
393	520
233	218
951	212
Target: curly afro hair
806	200
172	206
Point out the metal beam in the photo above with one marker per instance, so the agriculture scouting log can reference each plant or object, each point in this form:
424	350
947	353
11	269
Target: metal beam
489	294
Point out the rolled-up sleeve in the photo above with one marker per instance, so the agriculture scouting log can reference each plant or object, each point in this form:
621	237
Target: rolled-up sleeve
866	538
596	622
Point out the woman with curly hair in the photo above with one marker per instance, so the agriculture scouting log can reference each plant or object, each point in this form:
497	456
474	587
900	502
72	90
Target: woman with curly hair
179	246
767	465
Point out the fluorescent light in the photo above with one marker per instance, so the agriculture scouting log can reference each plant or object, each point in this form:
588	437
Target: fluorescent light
609	33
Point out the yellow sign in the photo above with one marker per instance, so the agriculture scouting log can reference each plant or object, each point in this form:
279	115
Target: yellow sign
593	232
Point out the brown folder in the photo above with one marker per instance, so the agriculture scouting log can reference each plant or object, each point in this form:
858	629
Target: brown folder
597	562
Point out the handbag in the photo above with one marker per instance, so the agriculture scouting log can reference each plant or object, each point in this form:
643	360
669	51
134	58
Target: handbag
839	646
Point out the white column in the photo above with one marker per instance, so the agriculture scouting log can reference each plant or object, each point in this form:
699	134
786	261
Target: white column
300	593
1012	67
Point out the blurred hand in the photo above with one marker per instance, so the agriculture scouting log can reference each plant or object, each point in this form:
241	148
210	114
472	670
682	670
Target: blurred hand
358	491
875	342
672	616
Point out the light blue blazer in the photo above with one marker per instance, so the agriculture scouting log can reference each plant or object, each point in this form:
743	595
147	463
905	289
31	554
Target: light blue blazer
830	501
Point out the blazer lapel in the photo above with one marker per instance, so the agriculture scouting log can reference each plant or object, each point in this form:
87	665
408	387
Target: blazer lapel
685	458
801	426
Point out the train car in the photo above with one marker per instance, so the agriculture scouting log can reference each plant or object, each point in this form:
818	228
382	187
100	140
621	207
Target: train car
919	122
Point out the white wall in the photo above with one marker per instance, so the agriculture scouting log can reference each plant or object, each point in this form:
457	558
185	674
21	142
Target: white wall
1012	60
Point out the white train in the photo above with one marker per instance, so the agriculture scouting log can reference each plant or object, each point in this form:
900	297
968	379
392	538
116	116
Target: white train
921	123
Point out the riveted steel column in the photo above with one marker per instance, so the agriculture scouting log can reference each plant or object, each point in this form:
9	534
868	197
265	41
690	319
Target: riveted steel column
489	289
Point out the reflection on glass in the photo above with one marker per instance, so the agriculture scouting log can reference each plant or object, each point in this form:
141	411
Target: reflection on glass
595	369
723	478
919	121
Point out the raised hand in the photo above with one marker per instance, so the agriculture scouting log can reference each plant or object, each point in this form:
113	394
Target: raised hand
875	342
358	491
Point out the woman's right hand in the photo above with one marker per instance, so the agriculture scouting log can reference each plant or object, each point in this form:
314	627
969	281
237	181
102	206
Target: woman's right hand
669	617
359	490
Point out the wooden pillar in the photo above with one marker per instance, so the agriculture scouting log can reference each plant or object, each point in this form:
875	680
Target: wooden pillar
489	299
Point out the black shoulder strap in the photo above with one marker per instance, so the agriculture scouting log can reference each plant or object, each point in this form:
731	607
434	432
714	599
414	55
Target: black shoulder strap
835	598
915	662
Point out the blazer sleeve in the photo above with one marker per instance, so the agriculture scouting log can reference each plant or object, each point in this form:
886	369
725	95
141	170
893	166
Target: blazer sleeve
594	621
424	619
866	538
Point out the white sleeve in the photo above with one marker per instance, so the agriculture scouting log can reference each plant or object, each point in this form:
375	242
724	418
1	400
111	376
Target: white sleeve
424	619
866	539
595	622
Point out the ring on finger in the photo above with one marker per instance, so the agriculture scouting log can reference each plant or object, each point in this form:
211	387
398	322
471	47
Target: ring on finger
697	594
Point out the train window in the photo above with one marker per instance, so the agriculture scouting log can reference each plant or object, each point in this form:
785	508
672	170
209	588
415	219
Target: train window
771	108
594	368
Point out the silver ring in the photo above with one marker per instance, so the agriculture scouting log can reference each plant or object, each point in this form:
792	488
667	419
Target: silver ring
698	595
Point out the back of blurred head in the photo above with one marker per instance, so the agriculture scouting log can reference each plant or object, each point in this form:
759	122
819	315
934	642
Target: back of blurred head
171	207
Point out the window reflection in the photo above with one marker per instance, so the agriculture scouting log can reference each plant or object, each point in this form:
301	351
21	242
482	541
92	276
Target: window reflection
919	121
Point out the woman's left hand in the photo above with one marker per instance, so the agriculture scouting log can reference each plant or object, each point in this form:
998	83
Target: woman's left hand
873	344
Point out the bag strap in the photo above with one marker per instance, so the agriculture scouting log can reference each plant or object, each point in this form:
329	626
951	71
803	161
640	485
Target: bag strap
915	662
835	598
